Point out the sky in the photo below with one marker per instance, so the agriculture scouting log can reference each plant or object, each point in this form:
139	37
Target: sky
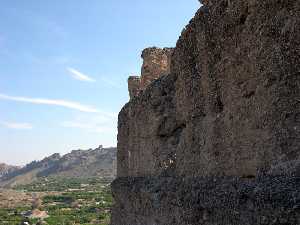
64	67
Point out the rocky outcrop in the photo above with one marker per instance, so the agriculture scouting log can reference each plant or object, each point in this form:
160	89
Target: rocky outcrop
223	123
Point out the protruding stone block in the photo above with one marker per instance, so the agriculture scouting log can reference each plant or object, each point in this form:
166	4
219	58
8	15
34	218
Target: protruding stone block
156	63
134	83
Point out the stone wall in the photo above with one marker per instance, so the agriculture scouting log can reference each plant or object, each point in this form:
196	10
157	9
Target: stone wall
134	85
230	105
206	201
228	108
156	63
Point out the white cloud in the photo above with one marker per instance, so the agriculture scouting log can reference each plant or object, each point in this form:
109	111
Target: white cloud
105	128
57	102
17	126
110	83
99	124
73	124
80	76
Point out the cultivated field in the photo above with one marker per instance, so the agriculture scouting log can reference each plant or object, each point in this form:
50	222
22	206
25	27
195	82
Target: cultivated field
57	201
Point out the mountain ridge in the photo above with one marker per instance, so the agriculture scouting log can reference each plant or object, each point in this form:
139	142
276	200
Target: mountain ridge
100	162
5	169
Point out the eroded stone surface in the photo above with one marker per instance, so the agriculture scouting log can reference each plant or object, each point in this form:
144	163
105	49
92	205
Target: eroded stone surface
134	86
207	201
230	107
156	63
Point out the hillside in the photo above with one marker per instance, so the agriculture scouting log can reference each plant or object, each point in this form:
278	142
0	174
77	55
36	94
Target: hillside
6	169
100	162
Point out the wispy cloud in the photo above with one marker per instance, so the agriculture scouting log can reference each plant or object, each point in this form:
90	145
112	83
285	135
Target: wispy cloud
74	124
56	102
17	126
97	123
110	83
88	127
79	76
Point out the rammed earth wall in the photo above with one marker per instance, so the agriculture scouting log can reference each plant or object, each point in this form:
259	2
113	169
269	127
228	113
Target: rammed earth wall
228	110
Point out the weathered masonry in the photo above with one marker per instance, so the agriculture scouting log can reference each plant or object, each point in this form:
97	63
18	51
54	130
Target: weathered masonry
156	63
211	134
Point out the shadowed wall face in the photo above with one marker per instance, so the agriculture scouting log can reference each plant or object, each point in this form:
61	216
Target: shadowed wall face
134	85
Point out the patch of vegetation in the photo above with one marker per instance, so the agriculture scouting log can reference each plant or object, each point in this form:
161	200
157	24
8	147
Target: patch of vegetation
14	216
48	184
67	201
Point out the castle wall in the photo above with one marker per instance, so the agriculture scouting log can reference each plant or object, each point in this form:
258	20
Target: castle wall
134	85
156	63
207	201
228	108
230	105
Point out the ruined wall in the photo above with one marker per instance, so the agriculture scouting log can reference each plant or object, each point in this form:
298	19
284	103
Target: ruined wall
238	96
156	63
229	108
206	201
231	103
134	85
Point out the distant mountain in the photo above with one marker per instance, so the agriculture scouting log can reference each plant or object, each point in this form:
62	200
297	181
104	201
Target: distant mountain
6	169
100	162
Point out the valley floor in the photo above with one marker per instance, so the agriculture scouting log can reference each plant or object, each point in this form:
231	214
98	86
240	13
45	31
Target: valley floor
57	201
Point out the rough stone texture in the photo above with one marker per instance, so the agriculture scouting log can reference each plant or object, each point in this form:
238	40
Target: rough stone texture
238	86
143	148
209	201
229	107
134	85
156	63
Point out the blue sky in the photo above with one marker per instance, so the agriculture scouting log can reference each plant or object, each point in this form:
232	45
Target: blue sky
64	67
